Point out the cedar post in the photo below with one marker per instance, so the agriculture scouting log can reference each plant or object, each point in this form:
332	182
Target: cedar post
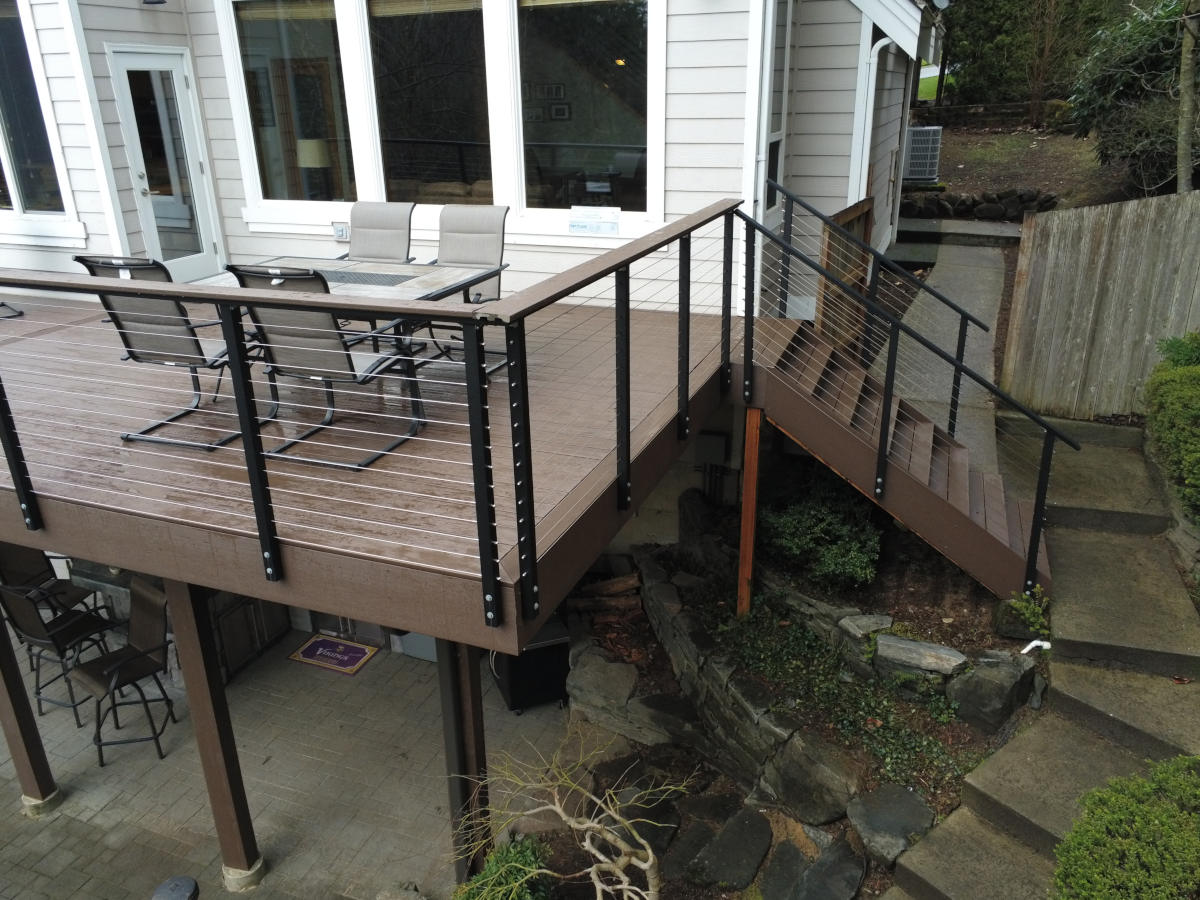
189	606
749	508
466	757
39	793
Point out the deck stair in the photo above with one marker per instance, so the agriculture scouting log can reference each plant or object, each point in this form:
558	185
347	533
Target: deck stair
828	402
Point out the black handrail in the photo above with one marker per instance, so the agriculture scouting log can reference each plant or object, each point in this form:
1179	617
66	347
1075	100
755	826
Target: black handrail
879	257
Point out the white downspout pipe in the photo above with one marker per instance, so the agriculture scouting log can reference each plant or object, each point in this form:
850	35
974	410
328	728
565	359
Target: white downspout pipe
866	110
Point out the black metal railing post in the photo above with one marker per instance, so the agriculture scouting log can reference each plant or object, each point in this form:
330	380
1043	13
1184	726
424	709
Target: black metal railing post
956	385
522	443
785	264
18	469
885	410
748	324
481	467
869	318
256	463
1039	511
726	303
624	474
682	422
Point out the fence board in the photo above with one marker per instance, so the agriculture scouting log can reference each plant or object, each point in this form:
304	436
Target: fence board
1096	288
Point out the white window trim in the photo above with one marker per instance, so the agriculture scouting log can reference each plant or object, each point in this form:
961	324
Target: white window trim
309	217
48	229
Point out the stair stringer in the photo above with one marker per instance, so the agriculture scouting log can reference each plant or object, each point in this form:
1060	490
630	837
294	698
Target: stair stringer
934	519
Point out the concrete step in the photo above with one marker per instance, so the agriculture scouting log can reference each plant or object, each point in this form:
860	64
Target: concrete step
964	858
895	893
913	256
1119	599
1148	714
1031	786
958	231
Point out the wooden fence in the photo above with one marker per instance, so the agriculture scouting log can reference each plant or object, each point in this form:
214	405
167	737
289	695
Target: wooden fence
1096	288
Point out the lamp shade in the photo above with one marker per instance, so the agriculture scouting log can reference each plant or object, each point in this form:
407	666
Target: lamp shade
312	153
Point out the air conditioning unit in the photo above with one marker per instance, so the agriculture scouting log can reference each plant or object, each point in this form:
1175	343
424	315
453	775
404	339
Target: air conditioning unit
924	149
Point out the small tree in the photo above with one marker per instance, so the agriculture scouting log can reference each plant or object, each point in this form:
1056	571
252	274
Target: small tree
609	825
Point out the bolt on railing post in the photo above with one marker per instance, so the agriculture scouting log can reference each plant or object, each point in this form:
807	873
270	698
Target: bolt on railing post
624	475
18	469
885	410
748	325
956	385
522	443
481	466
1039	511
685	340
785	264
726	303
252	447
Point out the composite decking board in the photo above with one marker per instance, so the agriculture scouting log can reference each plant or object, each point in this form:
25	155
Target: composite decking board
570	349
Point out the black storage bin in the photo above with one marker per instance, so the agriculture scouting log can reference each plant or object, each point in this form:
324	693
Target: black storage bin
539	675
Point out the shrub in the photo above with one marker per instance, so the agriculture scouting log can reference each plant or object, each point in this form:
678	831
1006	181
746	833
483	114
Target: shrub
1178	352
826	533
1173	415
1138	838
512	871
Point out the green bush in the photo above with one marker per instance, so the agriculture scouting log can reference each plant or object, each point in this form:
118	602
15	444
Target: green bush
826	533
512	871
1173	415
1138	838
1178	352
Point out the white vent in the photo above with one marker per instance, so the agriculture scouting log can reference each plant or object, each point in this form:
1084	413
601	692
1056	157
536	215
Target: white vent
924	149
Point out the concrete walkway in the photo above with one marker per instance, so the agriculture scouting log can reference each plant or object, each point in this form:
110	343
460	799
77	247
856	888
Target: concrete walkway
345	779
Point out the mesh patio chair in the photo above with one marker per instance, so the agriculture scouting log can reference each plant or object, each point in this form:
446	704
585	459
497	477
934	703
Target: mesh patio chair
29	570
56	636
159	330
144	656
310	344
380	232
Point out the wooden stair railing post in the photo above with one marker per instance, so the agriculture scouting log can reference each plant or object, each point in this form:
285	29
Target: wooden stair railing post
522	443
885	410
1039	512
18	469
481	466
682	424
748	325
754	418
956	384
726	303
252	446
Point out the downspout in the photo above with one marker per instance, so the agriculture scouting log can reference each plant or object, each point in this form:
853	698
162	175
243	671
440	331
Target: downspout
858	189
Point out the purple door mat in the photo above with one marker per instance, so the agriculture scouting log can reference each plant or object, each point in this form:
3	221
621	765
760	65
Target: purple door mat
340	655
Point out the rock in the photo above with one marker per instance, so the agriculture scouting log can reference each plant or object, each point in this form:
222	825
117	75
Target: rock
859	627
908	208
1012	207
988	694
713	807
595	682
656	823
812	779
886	818
990	197
1006	194
661	719
1027	195
1038	693
989	210
945	209
677	862
783	870
897	653
1008	623
732	858
836	875
686	581
964	208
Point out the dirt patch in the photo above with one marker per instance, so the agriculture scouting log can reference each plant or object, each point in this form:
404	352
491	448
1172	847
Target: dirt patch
992	159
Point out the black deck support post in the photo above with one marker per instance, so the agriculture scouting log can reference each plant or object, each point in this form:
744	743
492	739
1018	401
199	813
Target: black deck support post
481	467
1039	512
624	475
885	410
956	385
748	325
466	756
785	263
243	865
726	303
256	463
39	793
682	422
522	443
18	469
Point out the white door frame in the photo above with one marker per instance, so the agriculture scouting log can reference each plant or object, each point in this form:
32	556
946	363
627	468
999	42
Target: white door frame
122	58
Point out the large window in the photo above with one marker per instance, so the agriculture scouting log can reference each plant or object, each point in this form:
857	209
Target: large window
431	93
297	99
583	102
28	182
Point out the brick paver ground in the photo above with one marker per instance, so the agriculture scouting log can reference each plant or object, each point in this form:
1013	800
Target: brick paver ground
345	778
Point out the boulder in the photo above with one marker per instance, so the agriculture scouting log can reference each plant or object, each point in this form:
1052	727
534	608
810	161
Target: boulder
988	694
812	779
782	872
894	653
989	210
860	627
836	875
732	858
886	819
677	862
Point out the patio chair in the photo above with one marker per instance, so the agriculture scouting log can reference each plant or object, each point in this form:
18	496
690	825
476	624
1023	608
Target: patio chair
310	344
144	656
59	637
159	330
379	232
29	570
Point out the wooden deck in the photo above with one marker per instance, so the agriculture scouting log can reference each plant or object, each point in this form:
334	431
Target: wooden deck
396	543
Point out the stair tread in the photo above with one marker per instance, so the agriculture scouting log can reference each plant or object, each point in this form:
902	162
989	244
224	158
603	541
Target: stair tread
920	459
773	339
846	401
1150	713
814	367
900	448
1031	787
958	491
964	858
995	509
